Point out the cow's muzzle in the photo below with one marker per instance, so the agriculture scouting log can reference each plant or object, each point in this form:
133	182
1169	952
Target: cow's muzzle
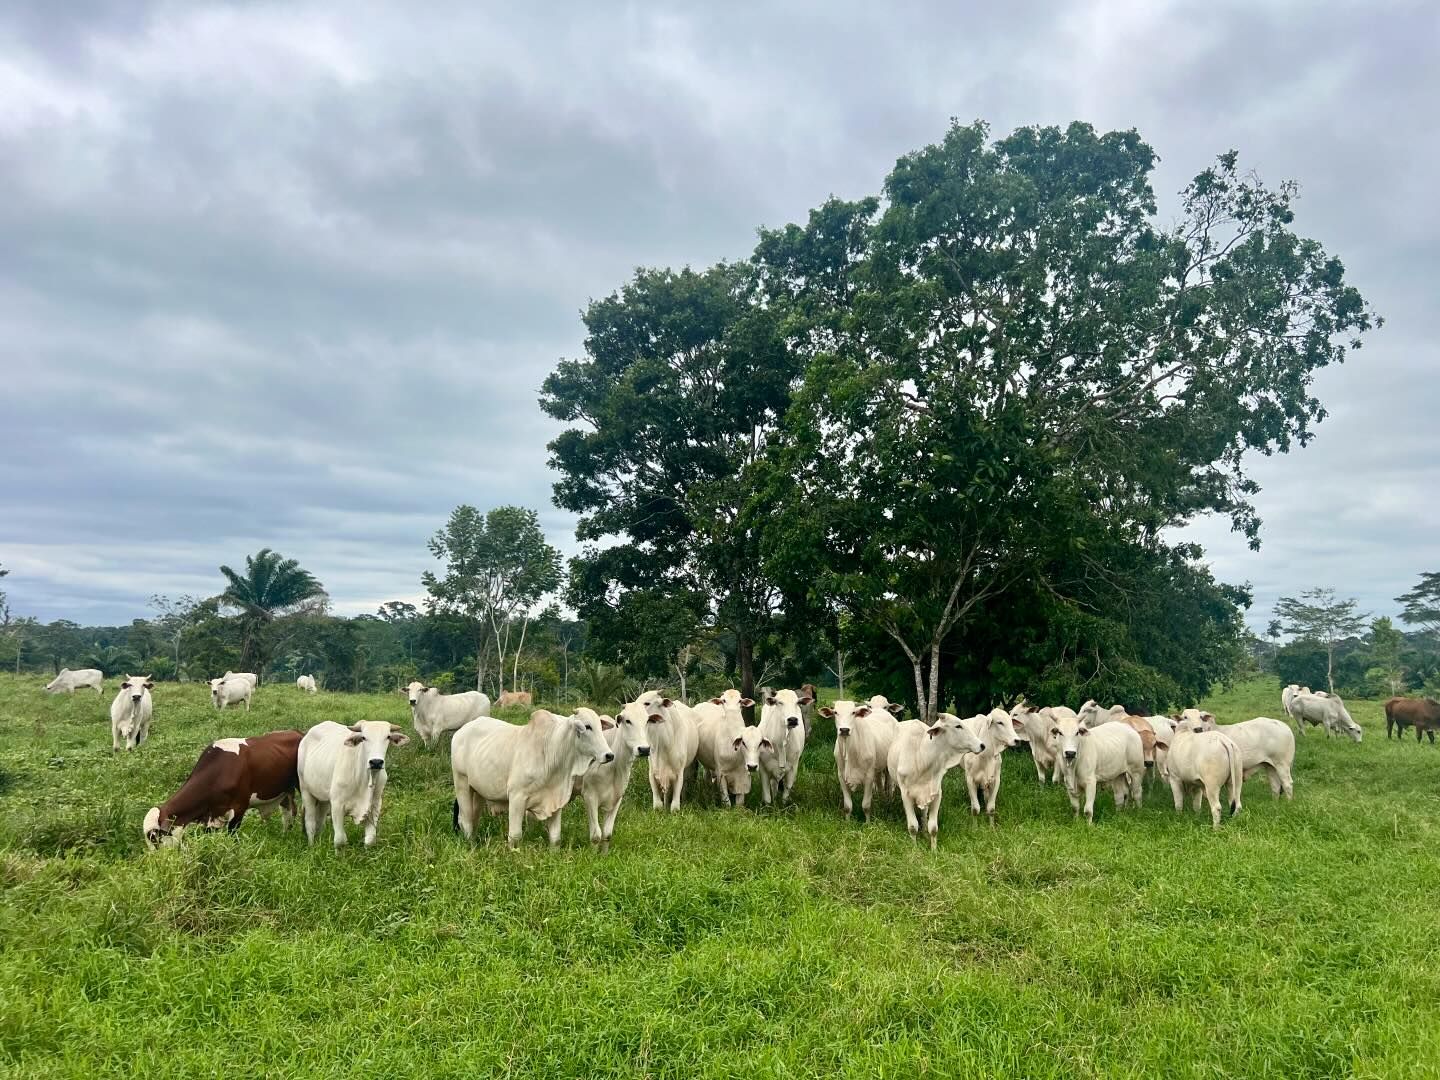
751	768
793	722
844	732
376	764
644	751
1149	764
609	757
1069	755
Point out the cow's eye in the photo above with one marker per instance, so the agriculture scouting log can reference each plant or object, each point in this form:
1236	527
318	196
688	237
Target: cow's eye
587	727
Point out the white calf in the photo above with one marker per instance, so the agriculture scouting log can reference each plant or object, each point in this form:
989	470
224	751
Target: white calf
342	771
225	692
604	783
1203	761
997	731
1110	754
306	683
130	713
918	761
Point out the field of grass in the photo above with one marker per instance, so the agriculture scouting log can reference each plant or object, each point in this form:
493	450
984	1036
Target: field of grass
1297	941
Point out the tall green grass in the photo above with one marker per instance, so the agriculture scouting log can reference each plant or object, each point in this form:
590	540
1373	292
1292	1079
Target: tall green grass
1297	941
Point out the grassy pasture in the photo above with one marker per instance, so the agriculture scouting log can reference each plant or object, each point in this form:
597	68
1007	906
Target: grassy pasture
1298	941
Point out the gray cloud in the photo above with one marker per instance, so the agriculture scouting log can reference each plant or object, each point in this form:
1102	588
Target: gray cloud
291	275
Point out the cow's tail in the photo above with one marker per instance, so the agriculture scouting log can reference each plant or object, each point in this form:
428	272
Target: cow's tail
455	814
1237	775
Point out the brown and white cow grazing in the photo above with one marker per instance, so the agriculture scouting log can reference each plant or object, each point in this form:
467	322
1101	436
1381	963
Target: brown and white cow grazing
1423	714
231	776
515	697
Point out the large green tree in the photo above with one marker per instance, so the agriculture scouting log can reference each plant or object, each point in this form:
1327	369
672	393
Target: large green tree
1320	616
1015	369
270	587
1421	605
683	384
498	567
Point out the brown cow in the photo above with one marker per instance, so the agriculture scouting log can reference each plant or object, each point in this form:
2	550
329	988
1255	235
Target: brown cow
231	776
1421	713
807	708
515	697
1147	737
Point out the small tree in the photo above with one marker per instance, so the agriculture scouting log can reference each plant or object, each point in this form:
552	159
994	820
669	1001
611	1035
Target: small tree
1385	667
497	568
176	614
1319	615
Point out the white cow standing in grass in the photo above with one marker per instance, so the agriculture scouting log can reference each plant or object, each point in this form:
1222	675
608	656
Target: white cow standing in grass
1202	760
604	783
67	682
862	749
522	770
1110	754
998	732
249	676
130	713
782	723
1035	725
674	743
1264	742
306	683
228	691
342	772
728	750
919	757
435	713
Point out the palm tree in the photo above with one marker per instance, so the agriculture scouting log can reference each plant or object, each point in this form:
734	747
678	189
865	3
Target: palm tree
271	586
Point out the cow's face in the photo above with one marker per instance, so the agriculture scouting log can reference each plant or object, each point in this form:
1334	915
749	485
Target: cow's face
590	741
634	728
413	692
748	744
639	714
1065	736
845	714
374	738
1001	729
135	686
788	703
951	734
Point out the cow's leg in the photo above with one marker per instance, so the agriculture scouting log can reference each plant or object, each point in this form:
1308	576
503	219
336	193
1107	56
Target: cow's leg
466	812
517	822
1090	800
337	825
115	736
1039	766
868	795
845	799
1389	725
1197	795
993	796
1431	733
676	789
237	813
610	820
372	820
552	825
1178	790
287	809
1419	734
765	787
657	794
932	821
1213	795
592	811
312	816
975	792
911	821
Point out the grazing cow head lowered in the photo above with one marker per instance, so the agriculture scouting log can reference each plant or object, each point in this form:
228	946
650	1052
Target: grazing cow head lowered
375	737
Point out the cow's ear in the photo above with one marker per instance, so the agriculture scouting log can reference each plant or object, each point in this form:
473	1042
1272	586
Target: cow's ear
1208	716
746	702
1082	730
864	710
1017	725
399	738
827	712
805	701
606	724
354	740
665	702
738	743
766	744
936	730
717	701
1161	744
356	727
149	684
770	700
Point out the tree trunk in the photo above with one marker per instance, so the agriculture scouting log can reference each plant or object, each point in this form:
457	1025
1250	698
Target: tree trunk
515	674
915	664
745	656
840	671
480	661
1330	667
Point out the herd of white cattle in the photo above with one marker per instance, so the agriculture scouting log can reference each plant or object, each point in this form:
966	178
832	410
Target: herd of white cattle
534	770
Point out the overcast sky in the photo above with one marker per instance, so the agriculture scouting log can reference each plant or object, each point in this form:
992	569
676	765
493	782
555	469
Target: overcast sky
291	275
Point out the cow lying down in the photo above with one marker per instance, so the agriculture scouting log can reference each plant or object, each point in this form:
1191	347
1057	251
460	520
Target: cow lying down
231	776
